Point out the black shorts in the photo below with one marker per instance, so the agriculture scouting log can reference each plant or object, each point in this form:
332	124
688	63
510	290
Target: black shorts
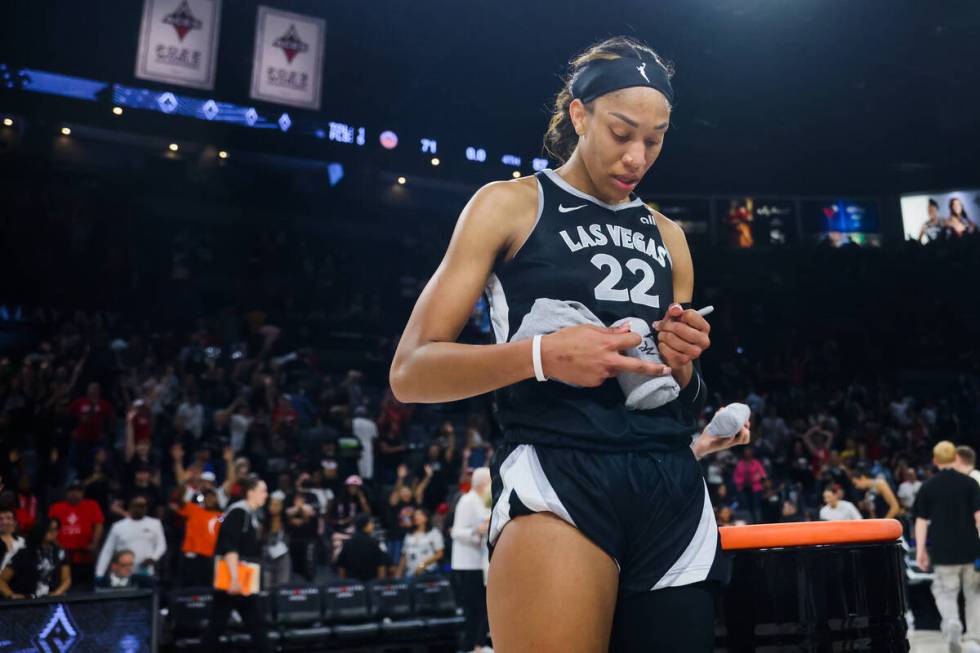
649	511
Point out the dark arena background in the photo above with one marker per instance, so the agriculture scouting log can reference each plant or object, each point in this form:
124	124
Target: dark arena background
216	217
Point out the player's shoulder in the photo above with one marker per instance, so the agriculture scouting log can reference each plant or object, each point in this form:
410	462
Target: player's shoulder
668	228
500	210
507	195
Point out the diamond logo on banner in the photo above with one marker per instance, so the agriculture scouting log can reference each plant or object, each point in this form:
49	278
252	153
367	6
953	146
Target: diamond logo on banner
291	44
182	20
210	109
167	102
285	122
251	117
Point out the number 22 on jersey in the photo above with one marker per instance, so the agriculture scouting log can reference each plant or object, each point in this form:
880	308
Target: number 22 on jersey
607	289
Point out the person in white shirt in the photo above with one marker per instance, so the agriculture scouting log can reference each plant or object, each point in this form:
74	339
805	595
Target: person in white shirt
836	509
423	547
140	534
909	488
469	533
366	431
9	542
190	417
966	462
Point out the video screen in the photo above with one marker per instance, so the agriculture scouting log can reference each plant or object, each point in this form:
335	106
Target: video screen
120	624
940	216
747	222
842	222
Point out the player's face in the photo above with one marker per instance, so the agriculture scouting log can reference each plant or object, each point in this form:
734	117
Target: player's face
624	136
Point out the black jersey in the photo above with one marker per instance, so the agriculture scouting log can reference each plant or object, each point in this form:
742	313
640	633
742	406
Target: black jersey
612	259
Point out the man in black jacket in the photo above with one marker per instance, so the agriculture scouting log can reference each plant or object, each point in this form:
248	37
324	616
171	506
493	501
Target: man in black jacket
121	576
239	541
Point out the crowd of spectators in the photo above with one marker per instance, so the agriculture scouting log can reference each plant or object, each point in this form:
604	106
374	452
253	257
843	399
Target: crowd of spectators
133	448
129	415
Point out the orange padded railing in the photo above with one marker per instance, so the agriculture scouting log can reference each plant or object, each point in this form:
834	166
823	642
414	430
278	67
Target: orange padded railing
768	536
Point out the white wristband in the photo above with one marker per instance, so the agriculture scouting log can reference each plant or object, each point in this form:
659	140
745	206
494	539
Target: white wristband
536	358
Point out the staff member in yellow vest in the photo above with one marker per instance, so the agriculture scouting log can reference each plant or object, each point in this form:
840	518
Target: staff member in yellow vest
239	545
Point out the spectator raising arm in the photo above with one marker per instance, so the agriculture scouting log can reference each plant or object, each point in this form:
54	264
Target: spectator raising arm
180	473
399	483
423	484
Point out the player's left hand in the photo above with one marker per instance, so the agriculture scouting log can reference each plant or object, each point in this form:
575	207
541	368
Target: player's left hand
682	336
707	443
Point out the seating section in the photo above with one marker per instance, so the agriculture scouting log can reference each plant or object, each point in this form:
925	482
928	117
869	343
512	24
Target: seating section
436	604
332	617
396	608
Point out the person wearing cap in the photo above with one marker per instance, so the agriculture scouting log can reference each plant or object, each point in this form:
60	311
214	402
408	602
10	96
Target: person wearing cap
138	533
194	479
351	502
81	527
202	515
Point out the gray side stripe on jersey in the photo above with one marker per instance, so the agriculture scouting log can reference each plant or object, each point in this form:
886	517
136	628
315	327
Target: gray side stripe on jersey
568	188
694	564
499	311
522	474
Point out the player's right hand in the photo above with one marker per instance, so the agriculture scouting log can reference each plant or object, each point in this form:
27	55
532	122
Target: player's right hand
586	355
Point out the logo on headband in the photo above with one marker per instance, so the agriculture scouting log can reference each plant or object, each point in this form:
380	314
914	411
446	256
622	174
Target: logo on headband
642	69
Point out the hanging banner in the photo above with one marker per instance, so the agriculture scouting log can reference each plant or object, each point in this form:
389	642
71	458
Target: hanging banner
287	66
179	42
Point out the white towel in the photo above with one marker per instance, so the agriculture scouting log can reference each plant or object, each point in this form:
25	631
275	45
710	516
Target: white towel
642	392
728	421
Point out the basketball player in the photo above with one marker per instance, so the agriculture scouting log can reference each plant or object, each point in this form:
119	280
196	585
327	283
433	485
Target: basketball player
601	532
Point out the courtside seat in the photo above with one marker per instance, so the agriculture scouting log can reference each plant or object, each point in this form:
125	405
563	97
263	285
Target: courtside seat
347	610
239	636
392	599
435	603
189	610
299	613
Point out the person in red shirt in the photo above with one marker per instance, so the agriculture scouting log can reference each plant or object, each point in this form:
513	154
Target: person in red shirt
203	523
818	441
749	473
93	415
93	420
139	424
284	417
27	505
81	531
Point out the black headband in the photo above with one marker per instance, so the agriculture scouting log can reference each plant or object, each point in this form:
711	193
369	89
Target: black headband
603	76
